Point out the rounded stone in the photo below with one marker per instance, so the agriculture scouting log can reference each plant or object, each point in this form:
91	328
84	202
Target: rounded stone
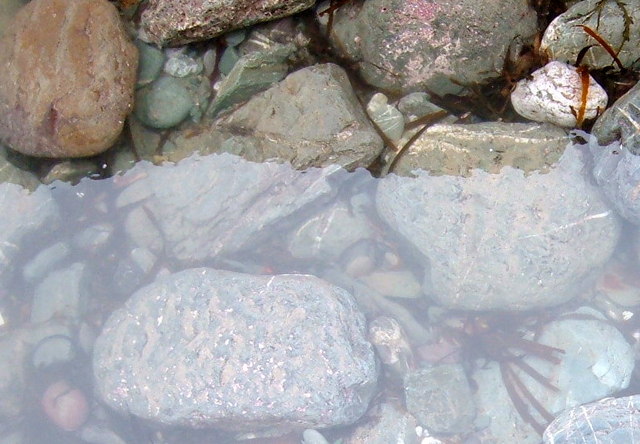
163	104
68	78
553	94
213	348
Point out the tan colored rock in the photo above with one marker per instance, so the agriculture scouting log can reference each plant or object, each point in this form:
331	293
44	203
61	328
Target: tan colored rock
68	75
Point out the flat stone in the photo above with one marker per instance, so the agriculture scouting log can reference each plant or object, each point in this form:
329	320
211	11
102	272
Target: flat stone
172	23
459	149
68	78
312	118
239	352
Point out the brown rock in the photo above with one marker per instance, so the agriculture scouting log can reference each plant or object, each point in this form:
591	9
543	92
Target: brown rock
176	22
68	75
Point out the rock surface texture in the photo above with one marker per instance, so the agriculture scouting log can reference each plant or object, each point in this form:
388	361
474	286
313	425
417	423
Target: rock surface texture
170	22
503	241
312	118
405	46
68	78
211	348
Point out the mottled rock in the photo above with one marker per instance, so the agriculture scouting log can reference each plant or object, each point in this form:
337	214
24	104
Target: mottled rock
503	241
617	22
459	149
608	421
211	348
553	94
170	22
312	118
404	46
621	122
68	78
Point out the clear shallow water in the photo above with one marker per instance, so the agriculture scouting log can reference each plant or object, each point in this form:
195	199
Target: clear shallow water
223	212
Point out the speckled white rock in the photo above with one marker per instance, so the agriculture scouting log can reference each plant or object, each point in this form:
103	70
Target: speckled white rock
553	94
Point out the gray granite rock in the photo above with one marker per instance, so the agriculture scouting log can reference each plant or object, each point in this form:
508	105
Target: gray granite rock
505	241
171	23
220	204
617	22
621	122
210	348
312	118
404	46
459	149
608	421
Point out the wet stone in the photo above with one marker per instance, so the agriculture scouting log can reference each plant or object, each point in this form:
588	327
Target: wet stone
597	362
459	149
616	22
239	352
507	240
63	293
621	122
608	421
312	118
219	204
387	423
23	215
440	398
68	78
171	23
617	170
406	46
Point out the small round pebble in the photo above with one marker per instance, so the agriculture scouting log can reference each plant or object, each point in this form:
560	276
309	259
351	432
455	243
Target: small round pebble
164	104
554	94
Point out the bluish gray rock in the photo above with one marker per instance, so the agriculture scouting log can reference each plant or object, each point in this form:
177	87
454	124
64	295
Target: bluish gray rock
220	204
621	122
239	352
164	103
506	241
609	421
23	215
617	170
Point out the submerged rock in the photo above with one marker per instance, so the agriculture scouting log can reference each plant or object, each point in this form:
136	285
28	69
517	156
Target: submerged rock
596	362
506	241
68	78
611	420
239	352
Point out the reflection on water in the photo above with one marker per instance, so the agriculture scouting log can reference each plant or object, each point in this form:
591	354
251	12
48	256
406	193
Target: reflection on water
444	257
